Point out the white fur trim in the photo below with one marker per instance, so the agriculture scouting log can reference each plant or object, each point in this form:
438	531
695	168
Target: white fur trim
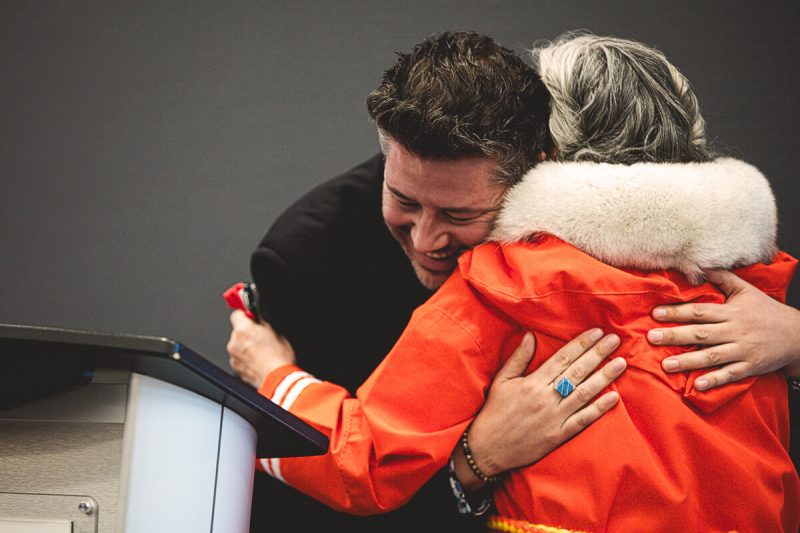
688	217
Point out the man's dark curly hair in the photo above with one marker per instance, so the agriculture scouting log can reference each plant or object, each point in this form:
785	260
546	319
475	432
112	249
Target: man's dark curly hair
461	94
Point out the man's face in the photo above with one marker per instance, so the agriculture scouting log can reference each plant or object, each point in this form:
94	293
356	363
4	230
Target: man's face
438	209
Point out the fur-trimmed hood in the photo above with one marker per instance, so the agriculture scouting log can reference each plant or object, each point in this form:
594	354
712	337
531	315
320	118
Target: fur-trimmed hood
688	216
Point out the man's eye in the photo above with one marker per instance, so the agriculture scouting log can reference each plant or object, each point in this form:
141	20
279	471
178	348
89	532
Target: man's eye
461	219
405	203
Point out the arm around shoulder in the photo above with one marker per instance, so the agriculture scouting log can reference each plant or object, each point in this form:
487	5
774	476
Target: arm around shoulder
749	335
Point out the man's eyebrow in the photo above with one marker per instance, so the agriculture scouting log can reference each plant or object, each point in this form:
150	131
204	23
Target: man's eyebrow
478	210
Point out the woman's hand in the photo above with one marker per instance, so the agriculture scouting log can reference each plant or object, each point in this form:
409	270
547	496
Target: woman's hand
749	335
256	350
524	418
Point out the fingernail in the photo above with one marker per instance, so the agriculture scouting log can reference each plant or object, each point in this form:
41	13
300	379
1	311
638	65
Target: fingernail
701	384
670	364
655	336
611	398
618	364
659	312
611	342
595	334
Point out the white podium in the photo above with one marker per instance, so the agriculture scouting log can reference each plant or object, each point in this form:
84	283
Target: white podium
125	434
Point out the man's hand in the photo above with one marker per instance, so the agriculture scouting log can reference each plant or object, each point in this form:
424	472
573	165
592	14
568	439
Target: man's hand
749	335
256	350
524	418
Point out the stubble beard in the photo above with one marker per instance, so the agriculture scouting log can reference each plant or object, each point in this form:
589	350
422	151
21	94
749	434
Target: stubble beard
427	279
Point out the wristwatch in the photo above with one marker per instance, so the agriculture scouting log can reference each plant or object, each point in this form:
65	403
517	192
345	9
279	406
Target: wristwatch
794	383
475	504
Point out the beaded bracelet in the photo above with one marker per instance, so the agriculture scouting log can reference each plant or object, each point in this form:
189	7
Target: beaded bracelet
471	462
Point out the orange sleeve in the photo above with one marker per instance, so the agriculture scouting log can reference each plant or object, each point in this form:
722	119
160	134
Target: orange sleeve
402	425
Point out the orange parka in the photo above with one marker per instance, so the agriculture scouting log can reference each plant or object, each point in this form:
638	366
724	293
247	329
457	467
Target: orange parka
667	457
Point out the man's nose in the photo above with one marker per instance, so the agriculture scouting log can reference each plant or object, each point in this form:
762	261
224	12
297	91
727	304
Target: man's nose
429	234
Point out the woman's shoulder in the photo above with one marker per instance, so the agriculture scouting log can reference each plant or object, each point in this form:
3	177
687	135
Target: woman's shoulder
531	268
547	267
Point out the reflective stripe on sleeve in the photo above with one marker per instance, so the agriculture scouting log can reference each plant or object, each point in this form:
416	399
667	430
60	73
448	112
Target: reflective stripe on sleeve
296	390
285	395
286	384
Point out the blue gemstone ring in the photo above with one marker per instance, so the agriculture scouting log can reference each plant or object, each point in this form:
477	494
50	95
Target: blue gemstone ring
565	387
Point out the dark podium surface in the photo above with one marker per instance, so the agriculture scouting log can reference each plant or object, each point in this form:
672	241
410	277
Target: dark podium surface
57	360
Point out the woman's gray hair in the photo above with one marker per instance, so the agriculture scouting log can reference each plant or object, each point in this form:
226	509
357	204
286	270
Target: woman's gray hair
619	101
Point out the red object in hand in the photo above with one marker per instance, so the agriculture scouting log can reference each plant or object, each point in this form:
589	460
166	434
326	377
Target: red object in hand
242	296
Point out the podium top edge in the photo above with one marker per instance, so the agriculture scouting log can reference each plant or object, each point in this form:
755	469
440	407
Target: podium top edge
160	346
280	433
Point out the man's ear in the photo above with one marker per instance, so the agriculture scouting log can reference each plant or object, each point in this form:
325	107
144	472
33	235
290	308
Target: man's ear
551	156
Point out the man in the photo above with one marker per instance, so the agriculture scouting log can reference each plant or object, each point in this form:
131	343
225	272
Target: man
460	119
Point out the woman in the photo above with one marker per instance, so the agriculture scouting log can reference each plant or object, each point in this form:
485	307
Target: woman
667	457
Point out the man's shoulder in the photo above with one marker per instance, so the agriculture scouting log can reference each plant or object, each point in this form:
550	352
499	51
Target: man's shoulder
332	228
355	191
364	178
346	203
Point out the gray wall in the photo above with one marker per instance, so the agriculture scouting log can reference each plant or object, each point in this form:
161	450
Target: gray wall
146	146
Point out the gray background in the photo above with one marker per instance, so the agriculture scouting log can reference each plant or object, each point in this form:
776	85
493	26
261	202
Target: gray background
146	146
